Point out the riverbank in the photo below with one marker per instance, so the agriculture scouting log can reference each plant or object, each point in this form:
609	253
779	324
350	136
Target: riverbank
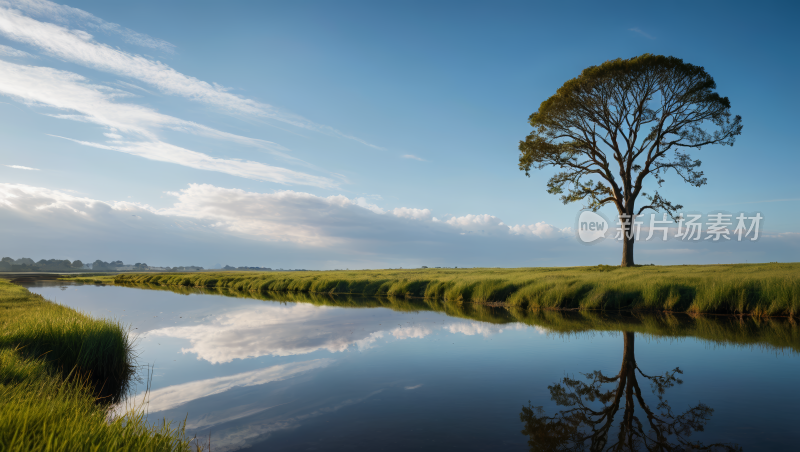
778	333
741	289
60	370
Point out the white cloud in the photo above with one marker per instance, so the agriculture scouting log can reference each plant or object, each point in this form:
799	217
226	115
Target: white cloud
23	167
479	223
414	214
409	332
12	52
62	90
271	331
362	202
67	15
232	438
66	91
540	229
79	47
127	85
410	388
177	395
489	224
165	152
413	157
474	328
300	230
283	215
295	329
641	33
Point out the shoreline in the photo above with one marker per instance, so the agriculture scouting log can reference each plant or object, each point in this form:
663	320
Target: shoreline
60	372
759	290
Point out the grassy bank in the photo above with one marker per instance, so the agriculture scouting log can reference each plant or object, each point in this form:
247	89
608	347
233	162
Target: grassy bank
755	289
59	369
99	278
774	333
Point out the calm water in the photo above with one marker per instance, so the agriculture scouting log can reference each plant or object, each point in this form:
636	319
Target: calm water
267	375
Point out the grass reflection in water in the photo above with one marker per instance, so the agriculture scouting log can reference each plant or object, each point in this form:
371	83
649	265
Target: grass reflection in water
773	333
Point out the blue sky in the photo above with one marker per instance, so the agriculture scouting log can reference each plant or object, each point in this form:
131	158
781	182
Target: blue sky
153	127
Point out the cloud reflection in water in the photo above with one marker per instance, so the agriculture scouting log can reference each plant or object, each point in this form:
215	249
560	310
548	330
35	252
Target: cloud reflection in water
288	330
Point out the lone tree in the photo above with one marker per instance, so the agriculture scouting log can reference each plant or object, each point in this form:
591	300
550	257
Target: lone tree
644	114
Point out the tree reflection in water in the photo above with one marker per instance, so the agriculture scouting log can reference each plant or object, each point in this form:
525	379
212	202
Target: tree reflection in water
588	421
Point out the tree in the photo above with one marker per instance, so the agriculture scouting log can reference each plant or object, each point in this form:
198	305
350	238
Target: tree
583	423
77	264
25	261
643	114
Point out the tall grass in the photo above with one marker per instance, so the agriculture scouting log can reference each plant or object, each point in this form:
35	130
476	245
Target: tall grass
59	370
768	332
97	351
754	289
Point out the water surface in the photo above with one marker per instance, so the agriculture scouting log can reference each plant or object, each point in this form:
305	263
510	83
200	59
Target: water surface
368	374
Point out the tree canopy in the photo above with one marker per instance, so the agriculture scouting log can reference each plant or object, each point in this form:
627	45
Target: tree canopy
622	123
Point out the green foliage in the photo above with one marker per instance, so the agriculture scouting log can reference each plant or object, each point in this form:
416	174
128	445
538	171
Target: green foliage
58	371
623	123
755	289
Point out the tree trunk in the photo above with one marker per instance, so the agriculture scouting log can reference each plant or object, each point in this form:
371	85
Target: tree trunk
627	250
628	356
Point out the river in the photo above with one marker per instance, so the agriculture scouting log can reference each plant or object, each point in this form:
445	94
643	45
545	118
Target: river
285	373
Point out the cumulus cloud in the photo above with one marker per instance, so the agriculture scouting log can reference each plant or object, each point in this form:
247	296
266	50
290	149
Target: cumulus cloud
485	224
301	230
283	215
474	328
540	229
272	331
79	47
297	329
409	332
414	214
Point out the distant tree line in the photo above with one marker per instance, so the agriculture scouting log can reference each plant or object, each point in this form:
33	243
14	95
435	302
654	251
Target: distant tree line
26	264
228	267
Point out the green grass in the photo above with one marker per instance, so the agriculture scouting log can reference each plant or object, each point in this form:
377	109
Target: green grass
745	289
59	369
99	278
774	333
98	351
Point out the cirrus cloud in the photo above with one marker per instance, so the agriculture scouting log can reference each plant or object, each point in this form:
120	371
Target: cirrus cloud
79	47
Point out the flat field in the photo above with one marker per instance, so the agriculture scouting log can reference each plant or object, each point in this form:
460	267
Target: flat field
743	289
